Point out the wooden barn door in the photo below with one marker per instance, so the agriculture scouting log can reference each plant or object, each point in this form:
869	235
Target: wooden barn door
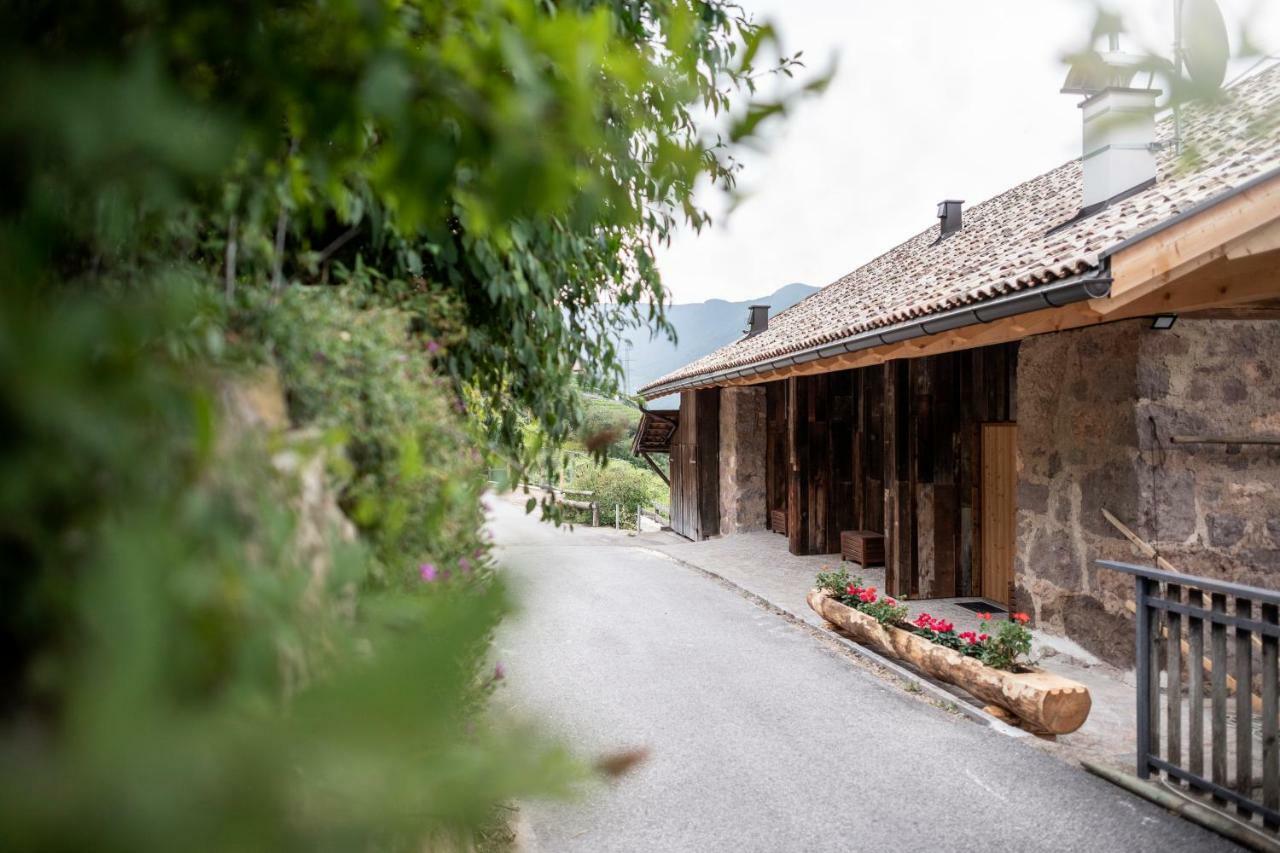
999	509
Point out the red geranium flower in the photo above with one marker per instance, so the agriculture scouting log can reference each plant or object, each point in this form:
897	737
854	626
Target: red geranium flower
985	617
1020	618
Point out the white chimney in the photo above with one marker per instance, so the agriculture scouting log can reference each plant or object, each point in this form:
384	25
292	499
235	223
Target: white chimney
1119	122
1119	142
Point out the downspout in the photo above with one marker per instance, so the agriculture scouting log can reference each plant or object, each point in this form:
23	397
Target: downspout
1091	284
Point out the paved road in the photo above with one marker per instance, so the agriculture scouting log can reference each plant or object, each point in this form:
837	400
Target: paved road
761	737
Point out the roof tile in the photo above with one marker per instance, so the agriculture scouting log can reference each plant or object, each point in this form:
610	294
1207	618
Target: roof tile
1006	244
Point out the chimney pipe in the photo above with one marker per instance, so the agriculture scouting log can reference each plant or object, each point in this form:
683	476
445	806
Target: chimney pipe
949	216
758	320
1119	123
1119	142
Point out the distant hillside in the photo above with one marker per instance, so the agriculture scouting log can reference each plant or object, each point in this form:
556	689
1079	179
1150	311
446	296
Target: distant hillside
701	327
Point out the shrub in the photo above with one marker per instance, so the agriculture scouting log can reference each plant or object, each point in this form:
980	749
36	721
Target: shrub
624	485
415	475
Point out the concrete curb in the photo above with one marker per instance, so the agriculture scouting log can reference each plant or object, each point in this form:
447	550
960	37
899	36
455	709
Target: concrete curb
1210	818
893	667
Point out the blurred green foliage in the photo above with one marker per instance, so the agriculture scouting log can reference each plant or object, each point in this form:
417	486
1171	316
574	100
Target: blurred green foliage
608	427
413	477
426	216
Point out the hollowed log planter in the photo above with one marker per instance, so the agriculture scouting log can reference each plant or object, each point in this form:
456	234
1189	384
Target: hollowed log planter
1045	701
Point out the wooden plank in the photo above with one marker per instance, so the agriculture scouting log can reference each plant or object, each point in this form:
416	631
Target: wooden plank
1141	544
797	472
840	435
1173	749
819	442
644	454
968	479
898	515
857	453
1258	242
1218	696
775	450
1270	743
1189	244
873	449
999	482
1195	685
1244	710
1155	641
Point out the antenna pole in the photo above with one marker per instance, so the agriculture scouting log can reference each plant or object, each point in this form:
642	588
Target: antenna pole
1177	77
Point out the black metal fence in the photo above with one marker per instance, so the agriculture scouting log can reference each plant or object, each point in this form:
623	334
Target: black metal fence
1236	679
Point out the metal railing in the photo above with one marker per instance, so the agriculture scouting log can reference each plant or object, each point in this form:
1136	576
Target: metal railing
1172	611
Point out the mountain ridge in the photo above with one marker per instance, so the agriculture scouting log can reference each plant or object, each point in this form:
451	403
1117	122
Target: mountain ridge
701	328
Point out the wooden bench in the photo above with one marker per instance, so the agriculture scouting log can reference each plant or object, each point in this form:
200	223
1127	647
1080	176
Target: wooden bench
864	547
779	521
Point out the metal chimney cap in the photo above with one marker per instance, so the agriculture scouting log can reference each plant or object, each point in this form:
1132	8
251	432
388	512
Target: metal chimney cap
950	216
757	320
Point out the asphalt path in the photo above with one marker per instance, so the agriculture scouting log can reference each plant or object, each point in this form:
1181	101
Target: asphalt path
760	736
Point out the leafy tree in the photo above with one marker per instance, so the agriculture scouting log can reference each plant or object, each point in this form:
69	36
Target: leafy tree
181	181
519	159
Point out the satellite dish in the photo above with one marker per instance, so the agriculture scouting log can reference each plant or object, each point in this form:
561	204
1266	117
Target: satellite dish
1204	45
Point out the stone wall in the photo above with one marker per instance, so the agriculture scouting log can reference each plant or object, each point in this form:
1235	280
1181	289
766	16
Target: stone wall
742	460
1096	410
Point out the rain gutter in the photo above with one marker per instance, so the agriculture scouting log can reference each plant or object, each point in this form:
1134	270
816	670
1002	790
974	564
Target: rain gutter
1091	284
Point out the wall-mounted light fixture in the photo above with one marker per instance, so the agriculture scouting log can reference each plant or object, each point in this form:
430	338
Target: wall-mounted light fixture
1161	322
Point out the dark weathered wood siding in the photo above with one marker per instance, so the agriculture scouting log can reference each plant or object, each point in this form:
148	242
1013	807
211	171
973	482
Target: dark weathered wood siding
695	463
893	449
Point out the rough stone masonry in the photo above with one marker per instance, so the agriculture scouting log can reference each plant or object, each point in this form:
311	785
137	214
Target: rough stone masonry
1097	409
742	460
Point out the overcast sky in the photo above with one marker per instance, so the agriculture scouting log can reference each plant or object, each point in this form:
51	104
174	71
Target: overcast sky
932	99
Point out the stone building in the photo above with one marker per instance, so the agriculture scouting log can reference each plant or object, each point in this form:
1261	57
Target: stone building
1102	337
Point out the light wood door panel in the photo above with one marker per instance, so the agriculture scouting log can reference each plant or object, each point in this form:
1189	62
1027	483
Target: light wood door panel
999	509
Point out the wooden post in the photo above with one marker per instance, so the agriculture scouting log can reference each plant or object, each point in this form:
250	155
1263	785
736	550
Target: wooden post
797	471
898	503
617	517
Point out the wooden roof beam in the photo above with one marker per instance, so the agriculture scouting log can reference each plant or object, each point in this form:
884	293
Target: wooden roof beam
1174	252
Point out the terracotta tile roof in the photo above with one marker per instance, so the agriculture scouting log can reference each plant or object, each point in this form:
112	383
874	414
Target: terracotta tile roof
1005	244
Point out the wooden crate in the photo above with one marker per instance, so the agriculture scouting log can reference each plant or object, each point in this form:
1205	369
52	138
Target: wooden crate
779	521
864	547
